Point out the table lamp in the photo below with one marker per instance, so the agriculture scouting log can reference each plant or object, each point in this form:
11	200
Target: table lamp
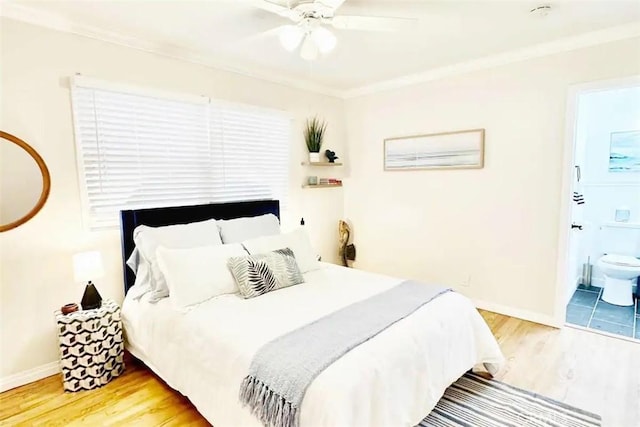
87	266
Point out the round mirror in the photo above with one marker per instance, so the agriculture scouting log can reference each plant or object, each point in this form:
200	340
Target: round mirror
24	182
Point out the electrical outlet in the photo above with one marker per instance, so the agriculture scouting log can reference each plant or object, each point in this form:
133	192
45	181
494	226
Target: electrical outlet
466	283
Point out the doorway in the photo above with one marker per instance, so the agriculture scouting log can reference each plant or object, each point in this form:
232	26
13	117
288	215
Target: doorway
598	286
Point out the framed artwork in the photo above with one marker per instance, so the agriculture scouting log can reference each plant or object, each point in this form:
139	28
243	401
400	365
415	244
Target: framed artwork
448	150
624	151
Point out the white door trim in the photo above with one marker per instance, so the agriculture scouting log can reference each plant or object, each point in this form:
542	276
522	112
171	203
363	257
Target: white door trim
564	225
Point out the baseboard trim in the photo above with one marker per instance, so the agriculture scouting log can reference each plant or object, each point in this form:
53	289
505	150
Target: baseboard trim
531	316
29	376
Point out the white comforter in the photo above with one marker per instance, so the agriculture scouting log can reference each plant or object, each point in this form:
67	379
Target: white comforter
394	379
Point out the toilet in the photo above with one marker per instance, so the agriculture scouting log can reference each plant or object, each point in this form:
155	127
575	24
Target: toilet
620	242
619	271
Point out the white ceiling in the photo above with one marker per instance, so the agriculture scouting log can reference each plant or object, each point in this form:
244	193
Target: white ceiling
236	34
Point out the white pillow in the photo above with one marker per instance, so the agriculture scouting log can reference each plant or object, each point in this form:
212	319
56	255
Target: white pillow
148	239
142	270
198	274
297	240
142	284
134	261
240	229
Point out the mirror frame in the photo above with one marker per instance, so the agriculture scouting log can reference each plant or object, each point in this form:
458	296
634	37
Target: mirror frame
46	181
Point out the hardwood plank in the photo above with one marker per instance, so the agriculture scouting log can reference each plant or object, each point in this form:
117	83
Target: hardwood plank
594	372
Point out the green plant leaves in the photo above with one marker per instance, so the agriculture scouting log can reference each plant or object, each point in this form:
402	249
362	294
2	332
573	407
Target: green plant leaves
314	131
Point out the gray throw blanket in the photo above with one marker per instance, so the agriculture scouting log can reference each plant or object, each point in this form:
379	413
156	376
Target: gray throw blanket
283	369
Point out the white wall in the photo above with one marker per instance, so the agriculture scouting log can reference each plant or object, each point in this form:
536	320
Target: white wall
495	229
35	264
599	114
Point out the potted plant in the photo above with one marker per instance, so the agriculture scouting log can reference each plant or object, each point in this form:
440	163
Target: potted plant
313	134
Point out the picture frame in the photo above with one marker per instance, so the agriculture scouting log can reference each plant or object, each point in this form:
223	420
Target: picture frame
624	151
462	149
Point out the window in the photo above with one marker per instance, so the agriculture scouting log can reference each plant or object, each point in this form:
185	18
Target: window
140	150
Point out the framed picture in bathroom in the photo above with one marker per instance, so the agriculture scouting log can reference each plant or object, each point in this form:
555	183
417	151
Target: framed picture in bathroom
624	151
447	150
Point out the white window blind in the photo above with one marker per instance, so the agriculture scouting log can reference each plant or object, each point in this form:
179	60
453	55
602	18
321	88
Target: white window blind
136	150
255	151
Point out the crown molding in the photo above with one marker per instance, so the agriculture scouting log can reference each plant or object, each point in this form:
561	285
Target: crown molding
57	22
54	21
531	52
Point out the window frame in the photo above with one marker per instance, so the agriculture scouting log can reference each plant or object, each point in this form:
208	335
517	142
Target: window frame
78	81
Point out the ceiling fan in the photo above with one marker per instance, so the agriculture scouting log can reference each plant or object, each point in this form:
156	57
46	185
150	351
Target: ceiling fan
310	20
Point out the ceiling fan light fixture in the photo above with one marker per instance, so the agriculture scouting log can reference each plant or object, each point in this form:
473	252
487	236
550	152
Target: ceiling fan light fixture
309	50
311	16
324	39
290	37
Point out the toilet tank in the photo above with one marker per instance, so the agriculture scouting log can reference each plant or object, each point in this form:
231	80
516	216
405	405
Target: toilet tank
622	238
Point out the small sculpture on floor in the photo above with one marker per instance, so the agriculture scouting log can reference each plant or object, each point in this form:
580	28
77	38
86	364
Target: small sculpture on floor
346	251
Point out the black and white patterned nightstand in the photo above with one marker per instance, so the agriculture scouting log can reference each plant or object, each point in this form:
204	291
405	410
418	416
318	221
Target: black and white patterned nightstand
91	346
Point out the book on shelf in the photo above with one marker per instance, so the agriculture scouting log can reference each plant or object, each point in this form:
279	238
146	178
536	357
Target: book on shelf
329	181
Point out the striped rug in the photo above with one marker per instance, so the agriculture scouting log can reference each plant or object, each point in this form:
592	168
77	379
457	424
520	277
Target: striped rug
474	401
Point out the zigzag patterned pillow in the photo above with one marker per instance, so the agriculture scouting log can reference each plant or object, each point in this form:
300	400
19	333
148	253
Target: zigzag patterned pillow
262	273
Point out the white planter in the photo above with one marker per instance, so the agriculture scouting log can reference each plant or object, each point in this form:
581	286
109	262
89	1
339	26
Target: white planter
314	157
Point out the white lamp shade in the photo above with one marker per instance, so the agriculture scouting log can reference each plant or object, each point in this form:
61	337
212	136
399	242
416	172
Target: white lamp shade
324	39
309	50
290	37
87	266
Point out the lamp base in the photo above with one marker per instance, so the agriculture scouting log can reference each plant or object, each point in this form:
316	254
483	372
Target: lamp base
91	298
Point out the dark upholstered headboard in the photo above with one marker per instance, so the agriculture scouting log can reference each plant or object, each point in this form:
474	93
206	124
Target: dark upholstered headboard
158	217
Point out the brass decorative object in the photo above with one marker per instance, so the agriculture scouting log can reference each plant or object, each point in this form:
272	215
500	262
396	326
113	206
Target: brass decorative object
346	250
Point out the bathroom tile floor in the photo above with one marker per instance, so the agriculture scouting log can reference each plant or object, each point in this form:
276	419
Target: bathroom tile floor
587	309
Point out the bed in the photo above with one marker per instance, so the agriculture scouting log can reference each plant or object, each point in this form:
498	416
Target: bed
394	378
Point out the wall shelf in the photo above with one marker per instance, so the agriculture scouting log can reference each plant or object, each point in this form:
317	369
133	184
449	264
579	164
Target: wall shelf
321	185
320	164
621	224
611	184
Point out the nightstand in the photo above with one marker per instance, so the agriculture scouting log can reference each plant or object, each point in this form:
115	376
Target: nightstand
91	346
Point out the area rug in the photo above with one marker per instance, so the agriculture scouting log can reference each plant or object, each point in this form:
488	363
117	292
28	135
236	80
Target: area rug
474	401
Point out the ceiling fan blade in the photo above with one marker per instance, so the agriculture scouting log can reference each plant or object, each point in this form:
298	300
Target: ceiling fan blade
333	4
372	23
257	37
276	8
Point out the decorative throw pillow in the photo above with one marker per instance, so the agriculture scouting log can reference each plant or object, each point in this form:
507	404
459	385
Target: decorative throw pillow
262	273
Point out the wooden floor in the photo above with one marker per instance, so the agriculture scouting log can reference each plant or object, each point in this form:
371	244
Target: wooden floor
584	369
